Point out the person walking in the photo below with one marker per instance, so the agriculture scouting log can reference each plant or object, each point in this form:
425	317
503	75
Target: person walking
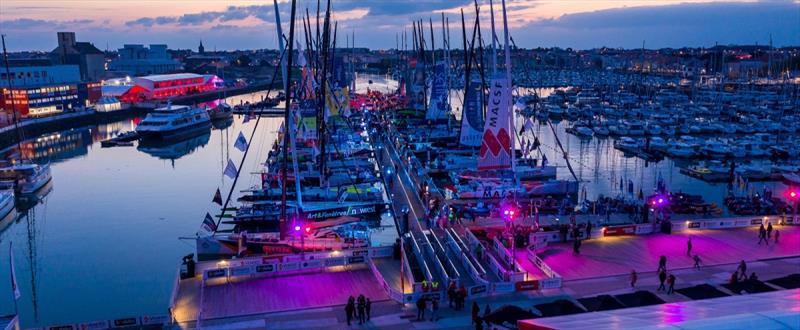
769	230
476	310
451	293
734	277
742	269
368	308
421	305
689	246
762	235
777	234
696	261
634	277
589	230
434	310
350	308
671	282
662	276
361	308
461	295
662	263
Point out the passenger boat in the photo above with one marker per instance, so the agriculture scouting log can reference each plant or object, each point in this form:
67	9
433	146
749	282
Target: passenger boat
174	122
6	202
25	178
220	112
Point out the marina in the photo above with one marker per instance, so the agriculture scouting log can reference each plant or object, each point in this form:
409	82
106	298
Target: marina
321	181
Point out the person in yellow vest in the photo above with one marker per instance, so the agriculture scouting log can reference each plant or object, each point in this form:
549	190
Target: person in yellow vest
425	285
435	286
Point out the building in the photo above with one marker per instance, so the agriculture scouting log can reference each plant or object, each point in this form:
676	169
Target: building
89	59
38	91
137	60
164	87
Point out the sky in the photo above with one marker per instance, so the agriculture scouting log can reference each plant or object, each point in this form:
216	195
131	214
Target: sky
250	24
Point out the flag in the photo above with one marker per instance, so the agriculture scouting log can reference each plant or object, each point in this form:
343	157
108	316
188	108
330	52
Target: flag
241	142
230	170
14	286
246	119
242	243
217	198
528	125
208	226
544	160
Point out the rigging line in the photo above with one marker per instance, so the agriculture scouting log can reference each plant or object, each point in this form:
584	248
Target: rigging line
252	134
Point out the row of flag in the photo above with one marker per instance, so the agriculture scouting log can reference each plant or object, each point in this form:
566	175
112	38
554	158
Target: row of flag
208	226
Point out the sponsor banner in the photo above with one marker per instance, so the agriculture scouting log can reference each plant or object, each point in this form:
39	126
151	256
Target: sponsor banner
268	268
344	211
472	116
96	325
527	285
125	322
357	253
756	222
287	266
308	264
241	270
215	273
477	289
503	287
62	327
330	262
154	319
251	261
550	283
694	224
644	229
356	259
438	107
620	230
495	150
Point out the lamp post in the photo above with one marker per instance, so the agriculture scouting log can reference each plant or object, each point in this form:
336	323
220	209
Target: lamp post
794	195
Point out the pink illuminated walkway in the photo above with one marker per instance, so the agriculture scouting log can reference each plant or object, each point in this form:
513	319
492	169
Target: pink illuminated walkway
619	255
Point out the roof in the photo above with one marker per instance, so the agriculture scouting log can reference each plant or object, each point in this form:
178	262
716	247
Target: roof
87	48
167	77
771	310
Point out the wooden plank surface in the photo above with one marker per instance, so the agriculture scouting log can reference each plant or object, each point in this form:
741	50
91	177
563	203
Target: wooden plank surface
619	255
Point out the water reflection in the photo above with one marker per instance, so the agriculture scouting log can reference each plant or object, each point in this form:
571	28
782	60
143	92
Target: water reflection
172	150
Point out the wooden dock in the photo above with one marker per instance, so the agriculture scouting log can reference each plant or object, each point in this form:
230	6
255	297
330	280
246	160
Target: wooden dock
275	294
607	256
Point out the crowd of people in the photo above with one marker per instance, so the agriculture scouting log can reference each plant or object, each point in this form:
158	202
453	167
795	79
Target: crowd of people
360	308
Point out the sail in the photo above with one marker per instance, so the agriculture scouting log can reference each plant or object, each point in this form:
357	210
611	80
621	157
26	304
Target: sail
472	116
416	99
438	107
496	144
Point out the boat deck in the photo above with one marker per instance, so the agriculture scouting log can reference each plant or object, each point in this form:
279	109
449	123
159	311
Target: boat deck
607	256
266	295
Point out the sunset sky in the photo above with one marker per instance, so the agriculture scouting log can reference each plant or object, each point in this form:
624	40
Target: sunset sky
249	24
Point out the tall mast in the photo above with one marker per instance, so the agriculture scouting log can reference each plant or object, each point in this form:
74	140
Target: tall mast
288	106
281	45
433	43
494	39
11	95
510	86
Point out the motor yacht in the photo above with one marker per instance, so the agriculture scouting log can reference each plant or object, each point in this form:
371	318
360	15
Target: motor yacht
25	178
174	122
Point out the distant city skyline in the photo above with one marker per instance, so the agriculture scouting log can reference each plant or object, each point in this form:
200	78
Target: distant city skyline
249	24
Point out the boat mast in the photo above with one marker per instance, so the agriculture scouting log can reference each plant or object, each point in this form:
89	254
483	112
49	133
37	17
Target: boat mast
288	106
510	87
494	39
11	95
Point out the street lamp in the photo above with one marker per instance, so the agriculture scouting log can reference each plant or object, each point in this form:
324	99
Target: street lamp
794	196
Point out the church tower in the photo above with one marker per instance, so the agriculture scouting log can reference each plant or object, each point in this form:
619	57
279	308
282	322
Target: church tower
201	49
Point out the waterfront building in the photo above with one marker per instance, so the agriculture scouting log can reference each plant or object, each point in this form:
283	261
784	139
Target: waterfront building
163	87
40	91
89	59
137	60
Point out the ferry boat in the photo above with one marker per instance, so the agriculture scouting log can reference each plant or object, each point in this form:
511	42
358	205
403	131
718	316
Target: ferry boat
25	178
174	122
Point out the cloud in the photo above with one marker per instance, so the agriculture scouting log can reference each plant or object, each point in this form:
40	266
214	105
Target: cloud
23	24
686	24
